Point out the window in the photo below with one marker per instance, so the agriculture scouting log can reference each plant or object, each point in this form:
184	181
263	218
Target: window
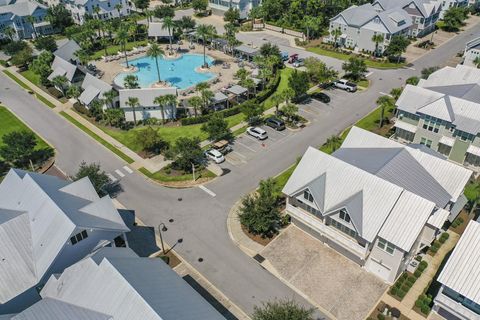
344	215
464	136
341	227
79	237
431	123
307	196
426	142
444	149
385	246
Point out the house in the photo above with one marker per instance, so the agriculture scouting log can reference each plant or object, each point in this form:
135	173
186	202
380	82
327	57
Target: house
358	25
447	4
67	51
374	200
157	31
424	13
46	225
14	15
94	89
471	55
244	6
64	68
116	284
147	108
443	113
459	294
99	9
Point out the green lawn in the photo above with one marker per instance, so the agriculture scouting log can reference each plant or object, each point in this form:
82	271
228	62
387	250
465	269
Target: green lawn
343	56
161	176
96	137
11	123
113	49
282	86
32	77
363	83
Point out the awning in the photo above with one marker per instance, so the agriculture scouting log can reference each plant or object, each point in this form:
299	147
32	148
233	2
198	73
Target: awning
438	218
474	150
405	126
447	141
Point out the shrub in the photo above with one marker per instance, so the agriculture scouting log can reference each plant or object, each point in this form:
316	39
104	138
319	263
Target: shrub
433	249
411	279
418	258
398	284
405	287
444	236
80	108
423	265
436	244
401	293
404	276
408	285
417	273
425	309
419	303
55	92
380	316
394	291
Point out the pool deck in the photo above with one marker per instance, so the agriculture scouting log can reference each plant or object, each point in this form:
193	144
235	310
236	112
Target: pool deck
225	76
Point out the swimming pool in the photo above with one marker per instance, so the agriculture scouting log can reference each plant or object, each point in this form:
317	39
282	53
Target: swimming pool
178	72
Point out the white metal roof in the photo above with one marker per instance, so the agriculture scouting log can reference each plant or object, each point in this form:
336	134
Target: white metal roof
156	30
237	90
118	283
473	150
462	270
146	96
47	211
447	141
405	126
406	220
438	218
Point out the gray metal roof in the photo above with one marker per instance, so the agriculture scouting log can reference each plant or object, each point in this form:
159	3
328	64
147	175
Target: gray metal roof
62	67
51	309
67	51
22	8
93	88
118	283
428	176
219	97
425	7
145	96
156	30
237	90
246	50
462	270
39	214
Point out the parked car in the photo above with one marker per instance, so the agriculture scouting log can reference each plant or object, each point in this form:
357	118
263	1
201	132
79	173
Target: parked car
299	63
257	132
215	155
293	58
320	96
275	123
346	85
284	56
222	146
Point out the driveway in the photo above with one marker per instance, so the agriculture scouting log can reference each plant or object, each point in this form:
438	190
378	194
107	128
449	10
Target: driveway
335	283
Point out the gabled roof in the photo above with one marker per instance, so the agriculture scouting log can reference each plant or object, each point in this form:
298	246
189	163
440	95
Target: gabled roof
67	51
421	173
146	96
462	270
118	283
156	29
37	217
22	8
93	88
461	74
425	7
62	67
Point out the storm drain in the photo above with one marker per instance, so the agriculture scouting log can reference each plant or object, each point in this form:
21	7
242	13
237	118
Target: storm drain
258	258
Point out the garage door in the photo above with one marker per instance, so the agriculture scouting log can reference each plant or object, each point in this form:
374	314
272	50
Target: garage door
378	269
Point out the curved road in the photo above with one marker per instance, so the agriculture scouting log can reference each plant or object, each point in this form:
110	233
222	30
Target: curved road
200	219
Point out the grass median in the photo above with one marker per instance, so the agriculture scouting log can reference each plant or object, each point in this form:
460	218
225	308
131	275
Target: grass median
97	138
163	175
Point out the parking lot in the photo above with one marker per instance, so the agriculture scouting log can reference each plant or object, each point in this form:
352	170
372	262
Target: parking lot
246	147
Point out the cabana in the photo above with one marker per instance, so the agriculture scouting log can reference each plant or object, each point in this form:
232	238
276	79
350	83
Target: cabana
219	101
156	30
237	91
220	44
245	51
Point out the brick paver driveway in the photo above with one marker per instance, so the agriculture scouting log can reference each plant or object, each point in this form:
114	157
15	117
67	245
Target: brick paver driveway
336	284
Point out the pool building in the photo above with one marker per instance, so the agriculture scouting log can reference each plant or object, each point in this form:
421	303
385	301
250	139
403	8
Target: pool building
147	108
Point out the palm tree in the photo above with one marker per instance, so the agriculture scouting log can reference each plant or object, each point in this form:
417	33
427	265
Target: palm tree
31	20
110	97
133	103
476	61
104	44
277	99
377	38
122	39
148	14
132	30
96	10
154	52
59	82
206	96
73	92
130	82
335	34
384	102
168	24
9	32
396	93
166	100
119	7
334	143
250	85
82	56
204	31
472	192
196	103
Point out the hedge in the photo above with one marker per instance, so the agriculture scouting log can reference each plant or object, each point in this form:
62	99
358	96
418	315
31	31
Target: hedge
260	97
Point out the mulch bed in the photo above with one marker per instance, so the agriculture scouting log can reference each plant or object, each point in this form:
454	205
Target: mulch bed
257	238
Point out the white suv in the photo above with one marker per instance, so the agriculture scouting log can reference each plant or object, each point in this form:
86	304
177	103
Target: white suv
257	132
215	155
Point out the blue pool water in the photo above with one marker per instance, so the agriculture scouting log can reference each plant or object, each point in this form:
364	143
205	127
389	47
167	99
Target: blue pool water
178	72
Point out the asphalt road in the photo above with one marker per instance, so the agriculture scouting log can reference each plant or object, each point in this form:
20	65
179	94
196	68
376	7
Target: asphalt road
200	219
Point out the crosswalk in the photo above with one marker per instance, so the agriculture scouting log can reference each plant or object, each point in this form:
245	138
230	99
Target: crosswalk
119	173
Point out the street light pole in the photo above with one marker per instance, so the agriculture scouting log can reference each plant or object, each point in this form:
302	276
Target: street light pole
193	170
164	228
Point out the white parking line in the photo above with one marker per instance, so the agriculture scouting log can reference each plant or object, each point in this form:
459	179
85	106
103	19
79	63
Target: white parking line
410	68
251	138
245	146
112	178
385	94
309	112
127	168
210	192
368	74
239	154
120	173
